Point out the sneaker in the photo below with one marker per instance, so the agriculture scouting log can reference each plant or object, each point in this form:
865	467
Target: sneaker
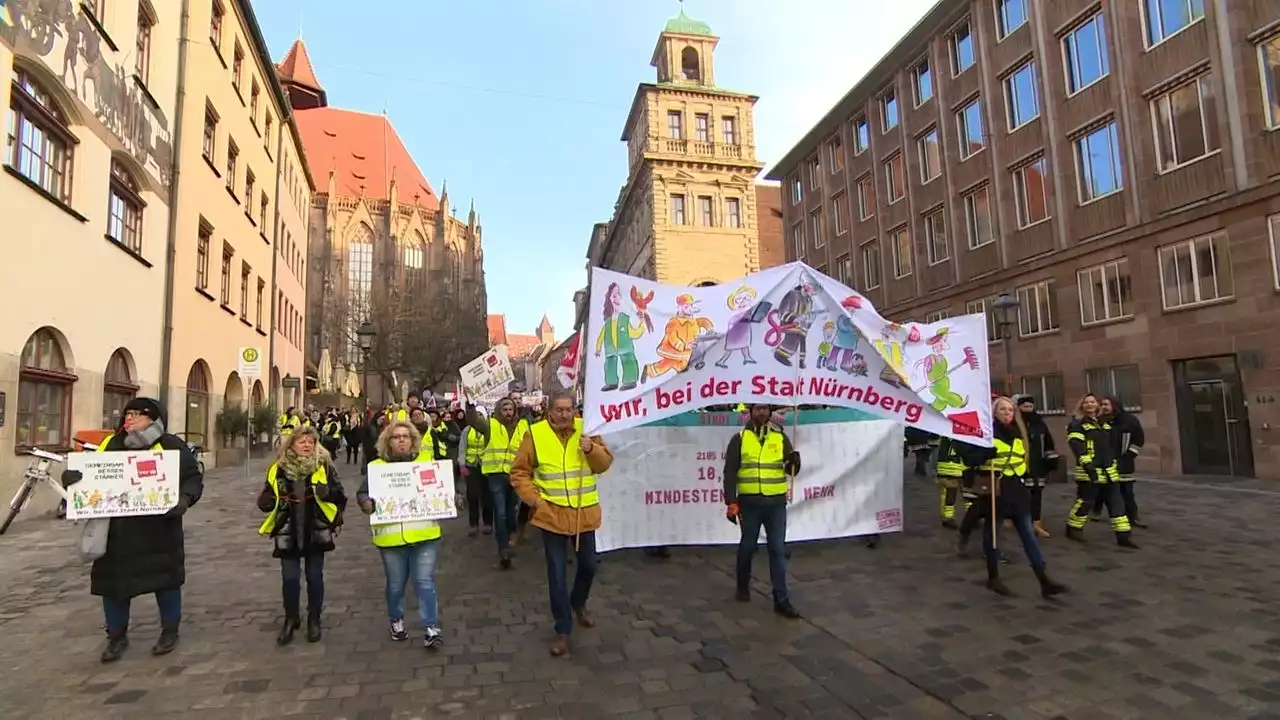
398	633
433	639
504	560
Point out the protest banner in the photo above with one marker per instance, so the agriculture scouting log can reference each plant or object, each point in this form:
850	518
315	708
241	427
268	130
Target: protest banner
123	484
487	372
411	492
665	486
788	335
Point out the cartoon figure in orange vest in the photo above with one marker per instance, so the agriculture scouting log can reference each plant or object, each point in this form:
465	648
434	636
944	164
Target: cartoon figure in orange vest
676	346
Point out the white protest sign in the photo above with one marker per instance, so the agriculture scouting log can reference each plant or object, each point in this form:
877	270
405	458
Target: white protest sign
786	335
249	364
665	486
487	372
411	492
123	483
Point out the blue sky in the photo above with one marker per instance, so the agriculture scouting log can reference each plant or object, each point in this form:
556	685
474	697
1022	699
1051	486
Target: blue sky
519	104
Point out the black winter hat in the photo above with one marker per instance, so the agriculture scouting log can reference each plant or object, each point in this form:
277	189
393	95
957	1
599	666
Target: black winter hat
149	407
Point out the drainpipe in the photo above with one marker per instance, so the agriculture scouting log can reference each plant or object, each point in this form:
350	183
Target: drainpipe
285	117
171	243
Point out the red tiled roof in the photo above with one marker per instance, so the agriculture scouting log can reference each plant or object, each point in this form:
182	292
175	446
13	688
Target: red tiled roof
519	346
364	153
296	67
497	325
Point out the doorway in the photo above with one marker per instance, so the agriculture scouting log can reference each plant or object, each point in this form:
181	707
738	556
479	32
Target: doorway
1213	419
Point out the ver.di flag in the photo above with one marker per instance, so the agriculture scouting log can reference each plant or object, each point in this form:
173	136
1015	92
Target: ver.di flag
786	335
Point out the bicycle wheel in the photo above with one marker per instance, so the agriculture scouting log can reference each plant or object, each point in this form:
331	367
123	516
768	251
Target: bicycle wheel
18	501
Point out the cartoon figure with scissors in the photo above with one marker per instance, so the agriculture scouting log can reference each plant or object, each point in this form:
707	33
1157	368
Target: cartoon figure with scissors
676	346
789	324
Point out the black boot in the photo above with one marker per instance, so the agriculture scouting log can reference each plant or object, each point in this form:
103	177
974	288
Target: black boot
168	639
117	643
1125	541
994	583
313	626
291	624
1076	534
1048	588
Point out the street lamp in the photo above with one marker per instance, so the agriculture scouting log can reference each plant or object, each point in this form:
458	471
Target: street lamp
366	334
1003	304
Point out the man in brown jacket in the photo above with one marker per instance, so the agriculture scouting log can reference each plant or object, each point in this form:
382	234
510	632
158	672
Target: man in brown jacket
554	473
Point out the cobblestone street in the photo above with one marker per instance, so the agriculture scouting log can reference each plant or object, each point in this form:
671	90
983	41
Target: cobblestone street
1186	628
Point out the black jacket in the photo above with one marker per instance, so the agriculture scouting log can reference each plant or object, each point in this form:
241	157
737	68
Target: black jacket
1013	497
1039	462
1127	439
146	553
733	461
314	533
1091	436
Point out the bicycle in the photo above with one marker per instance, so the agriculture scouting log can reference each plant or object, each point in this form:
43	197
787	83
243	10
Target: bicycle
38	471
197	449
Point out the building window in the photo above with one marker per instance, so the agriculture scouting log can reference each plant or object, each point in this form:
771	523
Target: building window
797	241
815	172
254	94
1049	392
1037	309
815	228
203	241
1021	96
262	214
705	214
124	209
118	389
40	142
675	124
983	306
1085	54
866	198
233	155
973	136
797	190
1106	292
249	180
1010	15
1031	192
840	213
844	271
266	134
977	218
1269	66
937	316
888	110
930	156
896	182
1273	224
142	59
44	393
733	212
1119	381
237	67
871	266
935	238
835	154
922	82
215	25
245	273
1165	18
1196	271
210	131
225	291
677	210
729	129
702	127
262	288
962	56
861	136
1098	163
1186	128
900	244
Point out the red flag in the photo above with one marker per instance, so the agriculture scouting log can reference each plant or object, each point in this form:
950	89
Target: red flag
567	373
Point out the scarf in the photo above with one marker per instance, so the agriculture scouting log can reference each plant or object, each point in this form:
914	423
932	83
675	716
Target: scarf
398	457
297	467
140	439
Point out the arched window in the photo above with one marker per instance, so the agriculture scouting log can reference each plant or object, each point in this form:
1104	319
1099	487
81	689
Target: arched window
198	403
44	393
259	397
359	287
124	209
689	63
118	388
39	140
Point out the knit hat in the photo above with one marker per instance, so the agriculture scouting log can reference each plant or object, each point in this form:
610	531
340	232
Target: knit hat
147	406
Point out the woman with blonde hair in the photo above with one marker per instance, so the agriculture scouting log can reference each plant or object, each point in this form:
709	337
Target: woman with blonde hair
303	501
738	336
1089	435
1005	462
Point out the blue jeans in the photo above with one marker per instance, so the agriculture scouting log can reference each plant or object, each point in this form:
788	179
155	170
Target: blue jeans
291	581
1030	546
417	562
506	509
563	600
773	518
116	610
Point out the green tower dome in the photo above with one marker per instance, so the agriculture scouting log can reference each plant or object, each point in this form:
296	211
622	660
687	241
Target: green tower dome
685	25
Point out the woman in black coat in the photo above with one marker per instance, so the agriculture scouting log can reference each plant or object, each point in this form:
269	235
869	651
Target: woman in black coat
1042	459
145	553
303	501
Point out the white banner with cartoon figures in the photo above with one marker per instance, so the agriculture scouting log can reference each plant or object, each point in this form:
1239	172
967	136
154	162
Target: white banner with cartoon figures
411	492
666	485
787	335
123	484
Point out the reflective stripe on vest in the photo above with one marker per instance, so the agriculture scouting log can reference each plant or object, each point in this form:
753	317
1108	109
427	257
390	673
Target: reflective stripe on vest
475	446
562	475
501	450
319	477
389	535
1009	459
760	471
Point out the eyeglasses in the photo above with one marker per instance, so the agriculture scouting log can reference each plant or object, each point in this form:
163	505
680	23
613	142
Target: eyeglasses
401	436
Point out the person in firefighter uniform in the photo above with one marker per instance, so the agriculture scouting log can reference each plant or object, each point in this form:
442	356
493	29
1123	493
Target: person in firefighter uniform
1089	436
950	473
1127	439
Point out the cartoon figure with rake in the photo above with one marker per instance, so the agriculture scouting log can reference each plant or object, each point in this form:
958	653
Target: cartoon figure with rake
938	372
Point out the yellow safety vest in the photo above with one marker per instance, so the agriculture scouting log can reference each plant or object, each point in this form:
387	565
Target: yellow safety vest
288	424
760	471
319	477
389	535
501	450
950	465
397	415
428	444
333	429
562	475
1009	459
475	447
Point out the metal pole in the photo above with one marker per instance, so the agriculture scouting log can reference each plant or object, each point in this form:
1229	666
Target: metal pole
248	442
1008	359
364	378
